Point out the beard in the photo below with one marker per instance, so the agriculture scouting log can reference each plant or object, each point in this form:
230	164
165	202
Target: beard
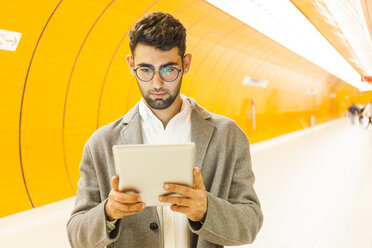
160	103
163	103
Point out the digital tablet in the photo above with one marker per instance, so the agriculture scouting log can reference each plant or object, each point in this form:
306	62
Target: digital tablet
144	169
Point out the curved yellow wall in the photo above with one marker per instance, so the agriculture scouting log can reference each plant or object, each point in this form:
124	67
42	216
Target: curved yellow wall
69	76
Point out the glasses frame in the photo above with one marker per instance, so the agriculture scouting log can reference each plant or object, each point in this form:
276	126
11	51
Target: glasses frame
154	71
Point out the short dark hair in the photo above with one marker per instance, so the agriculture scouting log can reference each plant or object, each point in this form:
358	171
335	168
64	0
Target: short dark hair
160	30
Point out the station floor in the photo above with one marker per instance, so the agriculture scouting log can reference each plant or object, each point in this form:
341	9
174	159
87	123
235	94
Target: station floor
315	187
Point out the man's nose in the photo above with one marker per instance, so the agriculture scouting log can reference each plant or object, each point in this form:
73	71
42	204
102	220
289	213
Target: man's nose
157	82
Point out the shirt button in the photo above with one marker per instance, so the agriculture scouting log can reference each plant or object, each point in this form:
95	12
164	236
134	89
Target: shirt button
153	226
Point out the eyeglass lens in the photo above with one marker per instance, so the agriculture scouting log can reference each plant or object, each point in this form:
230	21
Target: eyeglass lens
166	73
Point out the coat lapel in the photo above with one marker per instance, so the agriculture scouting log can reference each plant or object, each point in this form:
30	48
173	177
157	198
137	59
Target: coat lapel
132	131
201	131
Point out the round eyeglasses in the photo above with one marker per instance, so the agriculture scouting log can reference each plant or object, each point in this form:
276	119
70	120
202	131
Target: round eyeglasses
167	74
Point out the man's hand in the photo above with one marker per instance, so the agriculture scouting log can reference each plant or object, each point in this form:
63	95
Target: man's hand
194	205
121	204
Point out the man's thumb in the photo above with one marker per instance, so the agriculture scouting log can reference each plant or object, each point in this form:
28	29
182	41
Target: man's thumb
115	183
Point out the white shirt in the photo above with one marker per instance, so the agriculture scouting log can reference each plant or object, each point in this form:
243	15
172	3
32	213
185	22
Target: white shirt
174	226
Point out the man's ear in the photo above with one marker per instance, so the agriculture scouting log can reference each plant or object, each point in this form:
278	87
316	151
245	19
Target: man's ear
187	62
130	61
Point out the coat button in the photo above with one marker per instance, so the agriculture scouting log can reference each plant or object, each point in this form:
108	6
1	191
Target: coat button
153	226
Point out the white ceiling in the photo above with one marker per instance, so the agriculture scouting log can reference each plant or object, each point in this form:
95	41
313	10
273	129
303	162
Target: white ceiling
281	21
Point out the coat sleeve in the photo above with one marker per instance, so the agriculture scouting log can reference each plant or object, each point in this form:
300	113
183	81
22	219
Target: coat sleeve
87	226
237	219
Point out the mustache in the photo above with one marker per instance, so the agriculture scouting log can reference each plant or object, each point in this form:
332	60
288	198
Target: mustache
158	90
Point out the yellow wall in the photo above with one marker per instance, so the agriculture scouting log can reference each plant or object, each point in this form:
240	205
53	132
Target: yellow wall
69	76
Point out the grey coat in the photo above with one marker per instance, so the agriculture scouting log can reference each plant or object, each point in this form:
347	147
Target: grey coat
222	153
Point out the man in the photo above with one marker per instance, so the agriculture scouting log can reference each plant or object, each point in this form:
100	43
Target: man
367	112
221	209
361	109
353	110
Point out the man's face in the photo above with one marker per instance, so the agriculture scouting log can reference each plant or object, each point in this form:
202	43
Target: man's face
158	94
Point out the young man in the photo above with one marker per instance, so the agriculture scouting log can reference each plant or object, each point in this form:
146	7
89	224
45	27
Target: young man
221	209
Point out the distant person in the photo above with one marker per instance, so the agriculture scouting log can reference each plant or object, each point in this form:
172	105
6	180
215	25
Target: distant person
361	109
353	110
221	209
368	113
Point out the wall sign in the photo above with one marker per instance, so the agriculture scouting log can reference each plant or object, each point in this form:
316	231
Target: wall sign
9	40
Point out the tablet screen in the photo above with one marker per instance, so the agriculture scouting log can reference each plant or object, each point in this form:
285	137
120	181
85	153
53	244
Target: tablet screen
144	169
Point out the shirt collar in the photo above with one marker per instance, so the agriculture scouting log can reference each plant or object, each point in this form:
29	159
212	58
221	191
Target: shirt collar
147	115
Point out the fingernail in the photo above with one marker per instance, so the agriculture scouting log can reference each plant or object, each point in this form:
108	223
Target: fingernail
161	198
166	186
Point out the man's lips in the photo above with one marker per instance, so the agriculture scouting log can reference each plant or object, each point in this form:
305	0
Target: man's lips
158	95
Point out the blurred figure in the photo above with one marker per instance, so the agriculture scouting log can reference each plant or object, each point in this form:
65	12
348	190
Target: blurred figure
353	110
368	113
361	109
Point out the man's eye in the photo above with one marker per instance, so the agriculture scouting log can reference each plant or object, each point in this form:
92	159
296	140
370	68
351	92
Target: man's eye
146	70
168	69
